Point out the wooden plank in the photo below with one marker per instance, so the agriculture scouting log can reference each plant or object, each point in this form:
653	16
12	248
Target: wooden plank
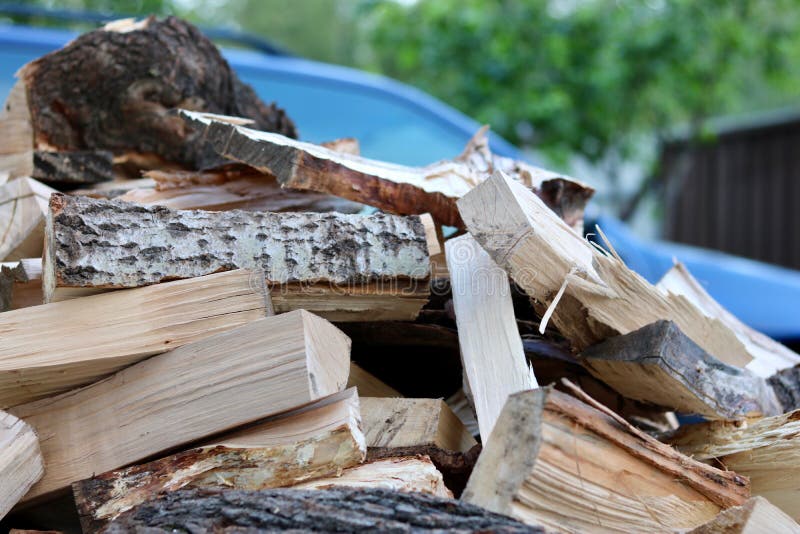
491	349
769	356
600	296
369	385
21	284
392	188
660	365
407	423
340	509
317	441
554	460
414	474
263	368
41	354
23	208
21	464
766	450
756	516
126	245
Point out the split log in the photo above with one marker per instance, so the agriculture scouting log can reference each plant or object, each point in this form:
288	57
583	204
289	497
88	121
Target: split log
340	510
766	450
378	265
368	385
16	131
42	355
23	209
555	461
491	349
594	295
21	284
318	441
69	170
786	384
769	356
393	188
224	190
79	99
757	515
412	474
263	368
21	462
660	365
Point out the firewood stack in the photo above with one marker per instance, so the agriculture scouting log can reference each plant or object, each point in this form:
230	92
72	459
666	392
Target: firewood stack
205	328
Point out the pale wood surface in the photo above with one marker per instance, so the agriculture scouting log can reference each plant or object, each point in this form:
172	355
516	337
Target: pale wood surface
368	384
756	516
660	365
769	356
23	208
766	450
396	423
601	296
21	463
414	474
16	131
54	347
491	348
555	461
266	367
393	188
318	441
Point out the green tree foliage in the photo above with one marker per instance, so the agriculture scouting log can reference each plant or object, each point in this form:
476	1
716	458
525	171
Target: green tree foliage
590	77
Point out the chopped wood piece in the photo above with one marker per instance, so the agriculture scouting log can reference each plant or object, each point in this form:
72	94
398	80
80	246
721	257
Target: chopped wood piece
463	409
266	367
73	169
41	353
126	245
600	296
766	450
368	385
319	441
21	462
396	423
393	188
557	462
340	509
227	189
79	99
660	365
786	384
769	356
16	131
491	349
23	208
20	284
417	474
756	516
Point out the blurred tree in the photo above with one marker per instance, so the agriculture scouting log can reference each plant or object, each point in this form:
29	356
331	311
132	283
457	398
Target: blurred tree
590	77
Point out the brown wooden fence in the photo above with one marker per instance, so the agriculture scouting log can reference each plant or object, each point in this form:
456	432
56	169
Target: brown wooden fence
740	193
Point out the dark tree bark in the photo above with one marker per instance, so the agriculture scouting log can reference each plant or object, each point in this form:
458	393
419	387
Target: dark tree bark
335	510
67	170
786	384
112	89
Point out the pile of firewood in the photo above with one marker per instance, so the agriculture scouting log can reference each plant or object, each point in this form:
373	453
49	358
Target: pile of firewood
205	327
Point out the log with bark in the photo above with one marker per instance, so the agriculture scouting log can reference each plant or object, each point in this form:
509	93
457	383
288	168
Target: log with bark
593	295
757	515
210	386
315	442
41	353
394	188
340	510
660	365
786	384
769	356
21	464
78	98
554	460
23	209
73	169
376	266
766	450
21	284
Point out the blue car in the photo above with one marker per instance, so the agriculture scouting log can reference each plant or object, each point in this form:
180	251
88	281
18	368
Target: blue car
397	123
